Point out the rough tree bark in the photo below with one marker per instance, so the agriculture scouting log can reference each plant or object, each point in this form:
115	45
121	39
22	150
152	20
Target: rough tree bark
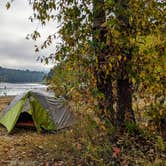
124	103
104	82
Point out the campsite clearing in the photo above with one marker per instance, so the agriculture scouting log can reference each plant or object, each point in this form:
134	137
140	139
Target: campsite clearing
83	144
27	147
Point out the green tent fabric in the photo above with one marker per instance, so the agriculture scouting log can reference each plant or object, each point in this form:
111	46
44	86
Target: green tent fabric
47	112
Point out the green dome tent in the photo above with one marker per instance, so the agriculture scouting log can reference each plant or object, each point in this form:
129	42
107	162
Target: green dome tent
38	109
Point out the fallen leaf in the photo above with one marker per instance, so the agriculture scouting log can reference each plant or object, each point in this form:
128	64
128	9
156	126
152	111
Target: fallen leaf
116	151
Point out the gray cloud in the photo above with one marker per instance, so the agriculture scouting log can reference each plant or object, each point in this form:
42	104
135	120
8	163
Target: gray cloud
15	50
20	55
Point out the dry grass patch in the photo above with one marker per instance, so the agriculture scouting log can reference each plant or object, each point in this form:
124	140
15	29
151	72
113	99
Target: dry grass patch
4	101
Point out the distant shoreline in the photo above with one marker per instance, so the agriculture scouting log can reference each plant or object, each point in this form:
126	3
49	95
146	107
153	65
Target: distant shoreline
42	83
12	89
21	76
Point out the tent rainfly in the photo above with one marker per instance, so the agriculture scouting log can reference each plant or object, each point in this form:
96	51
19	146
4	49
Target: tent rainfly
37	109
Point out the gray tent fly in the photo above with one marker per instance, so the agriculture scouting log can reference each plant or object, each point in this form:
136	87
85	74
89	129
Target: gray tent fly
38	109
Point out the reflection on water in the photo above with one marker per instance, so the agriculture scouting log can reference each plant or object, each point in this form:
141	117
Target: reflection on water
9	89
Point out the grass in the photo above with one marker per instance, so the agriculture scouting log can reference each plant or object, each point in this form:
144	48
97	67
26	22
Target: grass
86	143
4	101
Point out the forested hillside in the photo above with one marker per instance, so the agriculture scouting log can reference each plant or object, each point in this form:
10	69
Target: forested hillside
13	75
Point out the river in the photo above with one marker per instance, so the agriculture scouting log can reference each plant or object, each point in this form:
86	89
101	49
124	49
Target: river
10	89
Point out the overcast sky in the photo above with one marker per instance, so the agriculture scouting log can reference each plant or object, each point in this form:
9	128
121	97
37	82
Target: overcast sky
15	50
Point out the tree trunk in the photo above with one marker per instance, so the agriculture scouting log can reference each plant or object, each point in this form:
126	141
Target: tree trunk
124	89
124	109
104	83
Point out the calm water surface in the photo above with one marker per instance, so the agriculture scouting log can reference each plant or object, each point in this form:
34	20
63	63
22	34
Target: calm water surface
9	89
